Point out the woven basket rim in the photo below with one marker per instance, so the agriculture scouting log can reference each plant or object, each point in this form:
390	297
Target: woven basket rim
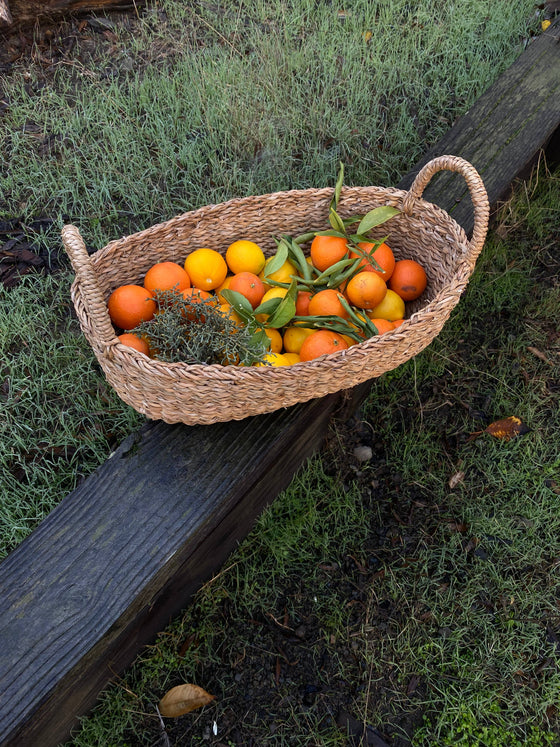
395	194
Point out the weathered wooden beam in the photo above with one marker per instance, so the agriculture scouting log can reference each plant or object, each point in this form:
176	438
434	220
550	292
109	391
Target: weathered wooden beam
125	551
25	12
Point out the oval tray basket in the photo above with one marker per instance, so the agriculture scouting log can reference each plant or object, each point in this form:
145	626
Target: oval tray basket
203	394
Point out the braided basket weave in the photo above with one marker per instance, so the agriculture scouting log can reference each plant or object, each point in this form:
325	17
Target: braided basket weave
202	394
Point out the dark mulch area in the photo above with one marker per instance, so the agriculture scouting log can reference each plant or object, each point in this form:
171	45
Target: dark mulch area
24	248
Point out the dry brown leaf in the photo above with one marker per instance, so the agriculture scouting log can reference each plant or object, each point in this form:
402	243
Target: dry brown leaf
183	699
507	428
539	354
456	479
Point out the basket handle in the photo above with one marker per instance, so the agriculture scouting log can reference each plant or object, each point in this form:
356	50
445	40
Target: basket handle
476	188
94	302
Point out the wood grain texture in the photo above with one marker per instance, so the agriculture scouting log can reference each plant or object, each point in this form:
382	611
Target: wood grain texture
26	12
125	551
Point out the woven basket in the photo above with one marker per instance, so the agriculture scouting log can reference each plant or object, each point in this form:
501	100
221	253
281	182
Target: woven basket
196	394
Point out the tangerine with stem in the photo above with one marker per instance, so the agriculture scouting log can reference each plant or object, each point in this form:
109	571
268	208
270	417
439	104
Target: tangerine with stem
245	256
327	303
206	268
166	276
366	290
380	260
382	325
249	285
133	341
327	250
391	307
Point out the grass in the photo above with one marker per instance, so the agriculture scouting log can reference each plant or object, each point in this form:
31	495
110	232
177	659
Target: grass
199	104
450	610
54	401
206	102
429	575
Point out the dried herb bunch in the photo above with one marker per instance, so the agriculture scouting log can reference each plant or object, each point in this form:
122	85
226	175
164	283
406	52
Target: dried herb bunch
192	329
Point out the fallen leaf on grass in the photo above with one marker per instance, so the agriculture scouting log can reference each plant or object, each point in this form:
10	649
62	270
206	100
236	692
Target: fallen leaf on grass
183	699
540	355
458	526
507	428
504	429
456	479
412	684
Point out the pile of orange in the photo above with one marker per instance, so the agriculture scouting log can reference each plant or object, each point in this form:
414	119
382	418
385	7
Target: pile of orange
327	315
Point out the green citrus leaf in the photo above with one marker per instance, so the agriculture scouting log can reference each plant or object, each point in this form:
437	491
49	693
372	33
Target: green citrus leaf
331	232
239	303
376	217
286	309
338	187
268	307
305	237
336	221
296	255
339	266
277	260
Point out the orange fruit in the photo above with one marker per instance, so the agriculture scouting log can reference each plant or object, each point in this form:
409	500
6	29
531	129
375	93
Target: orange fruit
282	275
274	293
391	308
294	338
129	305
196	293
227	310
382	325
383	257
249	285
366	290
349	340
275	339
273	359
206	268
166	276
397	323
223	286
327	250
302	303
408	279
291	358
321	342
327	302
133	341
245	256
